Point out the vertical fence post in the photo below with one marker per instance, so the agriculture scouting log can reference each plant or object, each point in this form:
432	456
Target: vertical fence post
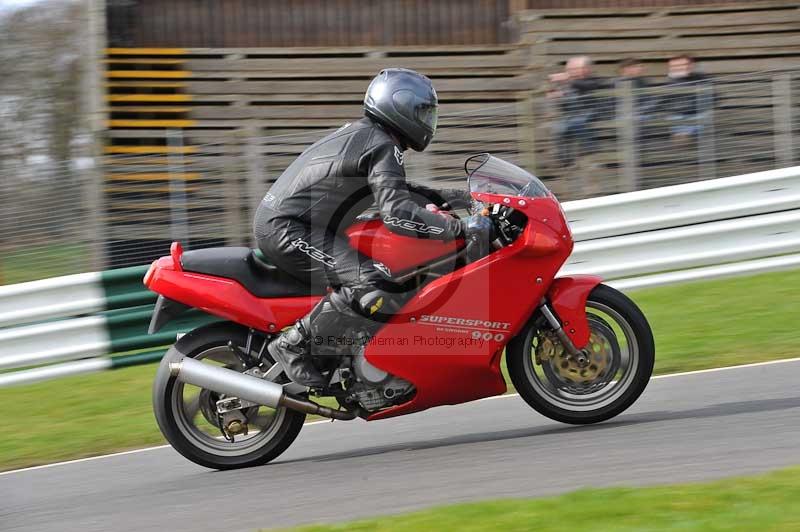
231	172
179	219
628	136
782	116
255	188
94	193
526	131
706	144
6	222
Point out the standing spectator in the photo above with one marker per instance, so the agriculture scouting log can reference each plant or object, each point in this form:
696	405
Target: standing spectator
573	89
689	98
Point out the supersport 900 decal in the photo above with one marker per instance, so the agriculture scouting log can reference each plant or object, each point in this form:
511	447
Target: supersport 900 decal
477	329
468	322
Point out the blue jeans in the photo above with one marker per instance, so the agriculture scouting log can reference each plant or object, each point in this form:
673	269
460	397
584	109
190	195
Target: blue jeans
574	133
686	125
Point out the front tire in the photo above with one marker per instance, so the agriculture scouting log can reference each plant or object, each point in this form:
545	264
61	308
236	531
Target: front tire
186	414
621	351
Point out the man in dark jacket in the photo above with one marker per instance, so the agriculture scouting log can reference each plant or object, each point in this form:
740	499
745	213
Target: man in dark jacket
579	107
300	223
689	98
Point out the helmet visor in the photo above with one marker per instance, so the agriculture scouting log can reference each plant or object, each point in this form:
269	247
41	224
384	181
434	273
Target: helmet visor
428	115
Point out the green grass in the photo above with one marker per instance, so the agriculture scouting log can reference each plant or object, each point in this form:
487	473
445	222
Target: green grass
696	326
762	503
725	322
78	416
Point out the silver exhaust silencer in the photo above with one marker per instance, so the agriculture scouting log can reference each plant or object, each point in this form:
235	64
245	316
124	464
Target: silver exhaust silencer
227	381
253	389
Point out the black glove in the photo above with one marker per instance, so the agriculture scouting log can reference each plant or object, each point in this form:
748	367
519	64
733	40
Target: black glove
479	233
457	198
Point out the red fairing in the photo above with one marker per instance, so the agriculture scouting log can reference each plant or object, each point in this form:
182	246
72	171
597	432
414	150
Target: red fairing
399	253
225	298
568	296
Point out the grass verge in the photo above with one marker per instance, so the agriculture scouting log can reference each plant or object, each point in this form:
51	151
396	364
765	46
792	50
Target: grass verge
696	326
767	502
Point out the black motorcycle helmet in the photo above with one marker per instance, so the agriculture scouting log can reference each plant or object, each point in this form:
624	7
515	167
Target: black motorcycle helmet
405	102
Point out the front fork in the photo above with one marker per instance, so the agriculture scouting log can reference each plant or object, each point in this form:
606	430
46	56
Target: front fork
578	355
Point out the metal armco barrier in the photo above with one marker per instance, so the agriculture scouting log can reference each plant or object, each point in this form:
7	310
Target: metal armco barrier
710	229
73	295
105	316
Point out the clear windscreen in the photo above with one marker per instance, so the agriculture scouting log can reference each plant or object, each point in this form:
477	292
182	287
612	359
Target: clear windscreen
489	174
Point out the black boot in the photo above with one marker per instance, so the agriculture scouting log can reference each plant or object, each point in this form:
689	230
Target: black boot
291	351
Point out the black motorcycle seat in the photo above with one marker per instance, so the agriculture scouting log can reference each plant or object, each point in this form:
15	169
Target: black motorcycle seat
241	264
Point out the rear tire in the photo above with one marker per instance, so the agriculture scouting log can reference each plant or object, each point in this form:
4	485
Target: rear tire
198	447
555	397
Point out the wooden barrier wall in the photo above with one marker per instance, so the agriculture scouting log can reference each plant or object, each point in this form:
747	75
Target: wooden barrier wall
726	39
260	23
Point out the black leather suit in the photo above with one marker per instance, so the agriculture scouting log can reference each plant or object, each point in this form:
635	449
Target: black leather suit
300	223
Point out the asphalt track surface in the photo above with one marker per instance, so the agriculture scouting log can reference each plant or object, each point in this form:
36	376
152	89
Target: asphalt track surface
684	428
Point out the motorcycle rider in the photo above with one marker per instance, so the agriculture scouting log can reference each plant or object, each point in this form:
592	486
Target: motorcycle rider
300	223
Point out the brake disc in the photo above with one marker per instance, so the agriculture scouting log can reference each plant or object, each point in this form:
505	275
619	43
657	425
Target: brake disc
565	372
599	354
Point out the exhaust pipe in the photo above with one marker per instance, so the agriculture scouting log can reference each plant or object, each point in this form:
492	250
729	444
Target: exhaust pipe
230	382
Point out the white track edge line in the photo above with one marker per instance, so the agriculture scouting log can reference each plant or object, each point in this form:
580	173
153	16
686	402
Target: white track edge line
121	453
324	421
727	368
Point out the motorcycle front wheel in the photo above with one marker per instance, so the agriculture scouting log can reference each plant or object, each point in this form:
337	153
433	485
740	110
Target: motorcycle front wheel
188	418
621	354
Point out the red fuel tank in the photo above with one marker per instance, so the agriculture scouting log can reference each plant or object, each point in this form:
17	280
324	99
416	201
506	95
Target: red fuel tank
399	253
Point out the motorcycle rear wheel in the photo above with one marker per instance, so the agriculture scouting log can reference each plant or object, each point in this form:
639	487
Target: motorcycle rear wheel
621	351
186	414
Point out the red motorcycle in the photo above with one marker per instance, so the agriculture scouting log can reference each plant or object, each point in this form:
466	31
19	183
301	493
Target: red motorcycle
577	351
